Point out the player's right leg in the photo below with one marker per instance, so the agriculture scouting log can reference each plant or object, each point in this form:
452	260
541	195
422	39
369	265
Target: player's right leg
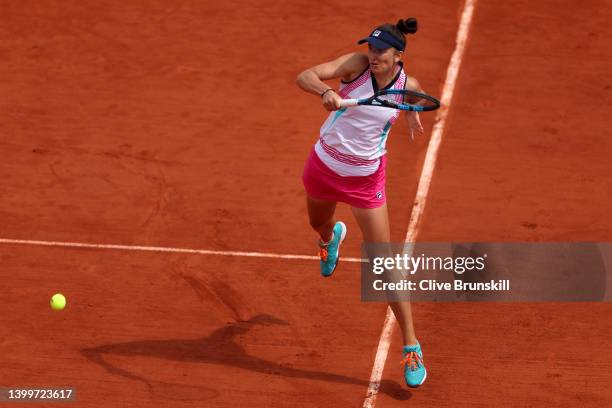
321	216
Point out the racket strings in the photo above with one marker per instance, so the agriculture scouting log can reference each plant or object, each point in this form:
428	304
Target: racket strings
391	99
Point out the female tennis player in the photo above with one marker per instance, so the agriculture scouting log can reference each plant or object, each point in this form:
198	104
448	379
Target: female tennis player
347	164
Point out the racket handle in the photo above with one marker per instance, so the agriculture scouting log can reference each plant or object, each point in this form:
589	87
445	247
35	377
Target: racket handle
347	103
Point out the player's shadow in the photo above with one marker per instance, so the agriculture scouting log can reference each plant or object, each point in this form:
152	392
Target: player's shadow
220	347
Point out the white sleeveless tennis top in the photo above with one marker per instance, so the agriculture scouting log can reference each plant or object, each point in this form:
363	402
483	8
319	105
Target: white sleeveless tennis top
352	140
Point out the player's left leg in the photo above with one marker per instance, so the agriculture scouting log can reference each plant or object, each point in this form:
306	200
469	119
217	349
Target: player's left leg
374	225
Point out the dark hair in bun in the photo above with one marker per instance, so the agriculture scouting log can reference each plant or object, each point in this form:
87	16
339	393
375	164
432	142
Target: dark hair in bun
408	26
399	30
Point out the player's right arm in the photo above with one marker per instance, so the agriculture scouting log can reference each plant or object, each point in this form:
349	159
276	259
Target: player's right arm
346	67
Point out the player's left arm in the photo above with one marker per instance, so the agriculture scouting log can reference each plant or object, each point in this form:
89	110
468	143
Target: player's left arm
412	117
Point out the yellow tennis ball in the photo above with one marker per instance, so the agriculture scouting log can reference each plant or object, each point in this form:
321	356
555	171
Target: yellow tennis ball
58	301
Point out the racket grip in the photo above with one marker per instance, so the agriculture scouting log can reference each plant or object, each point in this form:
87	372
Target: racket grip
347	103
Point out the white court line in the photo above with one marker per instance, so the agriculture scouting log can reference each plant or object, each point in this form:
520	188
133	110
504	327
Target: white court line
163	249
423	189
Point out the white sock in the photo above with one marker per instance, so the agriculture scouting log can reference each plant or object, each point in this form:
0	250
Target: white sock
324	244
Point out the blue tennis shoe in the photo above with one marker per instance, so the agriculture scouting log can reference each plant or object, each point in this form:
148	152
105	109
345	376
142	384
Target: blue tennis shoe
330	252
414	369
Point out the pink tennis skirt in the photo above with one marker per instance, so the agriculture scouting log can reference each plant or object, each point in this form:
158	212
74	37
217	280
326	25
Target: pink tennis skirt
357	191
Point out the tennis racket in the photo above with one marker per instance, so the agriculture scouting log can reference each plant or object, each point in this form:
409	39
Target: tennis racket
401	99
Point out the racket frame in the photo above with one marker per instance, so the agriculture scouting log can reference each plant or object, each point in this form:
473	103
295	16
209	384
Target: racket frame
375	100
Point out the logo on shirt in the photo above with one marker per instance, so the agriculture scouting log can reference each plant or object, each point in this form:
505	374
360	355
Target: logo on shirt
378	195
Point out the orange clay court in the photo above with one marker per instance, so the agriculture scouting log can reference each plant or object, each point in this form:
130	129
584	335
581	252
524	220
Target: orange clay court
178	124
